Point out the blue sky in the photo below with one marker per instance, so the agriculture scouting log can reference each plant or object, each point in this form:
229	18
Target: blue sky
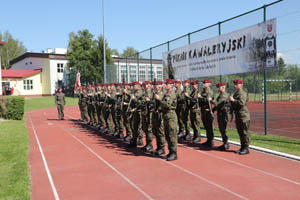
44	24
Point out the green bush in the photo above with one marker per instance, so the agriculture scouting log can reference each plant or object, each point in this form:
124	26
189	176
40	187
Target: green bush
12	108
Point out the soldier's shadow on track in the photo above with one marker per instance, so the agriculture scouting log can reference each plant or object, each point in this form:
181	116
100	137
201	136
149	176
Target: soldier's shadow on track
199	146
111	142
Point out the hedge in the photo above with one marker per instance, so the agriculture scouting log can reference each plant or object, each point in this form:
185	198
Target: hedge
12	107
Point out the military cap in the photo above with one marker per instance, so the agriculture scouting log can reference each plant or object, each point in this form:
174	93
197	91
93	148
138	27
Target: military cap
195	82
147	82
237	81
125	83
178	82
169	81
135	83
158	82
220	84
206	81
187	81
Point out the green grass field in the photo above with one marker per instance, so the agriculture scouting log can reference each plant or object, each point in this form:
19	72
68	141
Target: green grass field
14	149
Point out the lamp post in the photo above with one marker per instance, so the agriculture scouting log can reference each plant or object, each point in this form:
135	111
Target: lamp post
1	44
104	57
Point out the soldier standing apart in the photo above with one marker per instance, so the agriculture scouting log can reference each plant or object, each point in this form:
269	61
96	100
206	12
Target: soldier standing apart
168	105
180	103
60	103
206	102
239	103
221	106
195	115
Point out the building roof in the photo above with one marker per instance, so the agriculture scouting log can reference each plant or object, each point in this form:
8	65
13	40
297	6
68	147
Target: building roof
2	43
38	55
16	73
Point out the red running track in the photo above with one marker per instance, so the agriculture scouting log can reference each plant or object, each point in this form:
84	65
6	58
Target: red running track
79	164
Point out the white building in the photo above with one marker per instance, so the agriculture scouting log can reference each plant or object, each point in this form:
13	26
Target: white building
52	65
138	70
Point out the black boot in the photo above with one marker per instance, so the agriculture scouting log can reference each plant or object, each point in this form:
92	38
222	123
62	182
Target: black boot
159	152
208	143
148	148
127	138
120	135
180	134
243	151
132	144
197	139
140	142
172	156
188	136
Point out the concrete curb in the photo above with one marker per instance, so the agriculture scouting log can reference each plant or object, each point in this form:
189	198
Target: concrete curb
268	151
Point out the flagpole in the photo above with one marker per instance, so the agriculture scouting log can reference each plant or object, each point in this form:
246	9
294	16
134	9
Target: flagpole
104	57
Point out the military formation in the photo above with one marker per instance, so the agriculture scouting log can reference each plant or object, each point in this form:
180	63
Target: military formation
169	111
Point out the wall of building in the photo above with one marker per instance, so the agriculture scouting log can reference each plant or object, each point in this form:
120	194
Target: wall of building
29	64
56	76
18	85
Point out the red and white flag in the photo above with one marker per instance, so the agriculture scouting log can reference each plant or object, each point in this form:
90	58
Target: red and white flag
77	82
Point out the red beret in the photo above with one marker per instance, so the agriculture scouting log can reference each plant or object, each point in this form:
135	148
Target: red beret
125	83
178	82
206	81
187	81
194	82
220	84
169	81
237	81
147	82
135	83
158	83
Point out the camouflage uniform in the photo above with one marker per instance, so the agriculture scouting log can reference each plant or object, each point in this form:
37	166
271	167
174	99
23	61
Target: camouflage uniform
60	103
222	107
168	106
157	125
146	119
126	100
186	113
84	104
179	110
242	117
207	117
195	115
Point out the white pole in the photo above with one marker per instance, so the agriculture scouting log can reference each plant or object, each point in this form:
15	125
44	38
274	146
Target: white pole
104	57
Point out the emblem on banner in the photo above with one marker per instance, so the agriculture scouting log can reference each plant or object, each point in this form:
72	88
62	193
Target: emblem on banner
270	27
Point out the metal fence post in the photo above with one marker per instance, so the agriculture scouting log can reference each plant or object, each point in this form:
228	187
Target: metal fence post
265	85
296	82
127	74
138	65
219	27
151	68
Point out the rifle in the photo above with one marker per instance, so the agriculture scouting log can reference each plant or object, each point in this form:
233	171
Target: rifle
209	105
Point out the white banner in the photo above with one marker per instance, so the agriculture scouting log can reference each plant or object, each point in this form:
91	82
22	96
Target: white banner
246	50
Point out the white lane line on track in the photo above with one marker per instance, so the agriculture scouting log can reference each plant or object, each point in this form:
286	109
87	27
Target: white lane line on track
112	167
242	165
176	166
206	180
44	161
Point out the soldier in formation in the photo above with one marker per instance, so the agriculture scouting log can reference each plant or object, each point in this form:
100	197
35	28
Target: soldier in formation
167	110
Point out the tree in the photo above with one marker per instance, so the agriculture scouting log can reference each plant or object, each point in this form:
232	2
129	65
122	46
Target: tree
12	49
129	52
115	52
85	55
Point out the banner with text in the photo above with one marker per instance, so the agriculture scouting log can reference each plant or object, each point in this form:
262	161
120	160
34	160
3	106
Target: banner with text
246	50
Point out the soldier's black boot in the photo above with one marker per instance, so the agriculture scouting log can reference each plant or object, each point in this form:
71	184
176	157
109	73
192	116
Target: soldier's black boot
197	139
243	151
180	134
159	152
120	135
188	136
172	156
223	147
208	143
132	144
140	142
148	148
127	138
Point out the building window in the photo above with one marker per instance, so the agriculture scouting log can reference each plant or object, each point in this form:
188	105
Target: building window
132	73
60	67
142	73
28	84
30	62
124	73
